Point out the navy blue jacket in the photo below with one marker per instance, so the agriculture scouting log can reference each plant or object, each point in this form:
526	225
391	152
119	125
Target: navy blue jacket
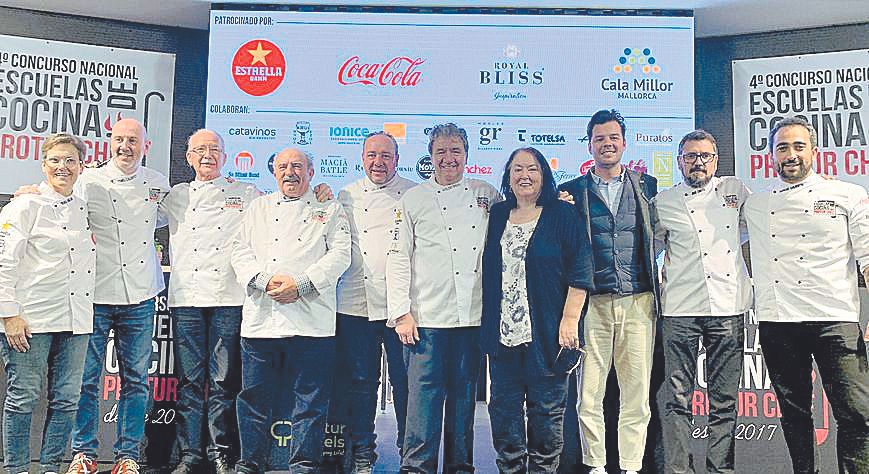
583	190
558	257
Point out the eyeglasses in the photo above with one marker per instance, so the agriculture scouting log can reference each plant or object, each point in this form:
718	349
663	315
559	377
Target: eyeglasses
58	161
206	150
703	158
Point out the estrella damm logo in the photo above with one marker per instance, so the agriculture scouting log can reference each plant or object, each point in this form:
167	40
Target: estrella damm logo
637	60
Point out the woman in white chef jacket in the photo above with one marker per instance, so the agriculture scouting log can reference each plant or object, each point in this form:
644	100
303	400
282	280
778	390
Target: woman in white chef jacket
47	257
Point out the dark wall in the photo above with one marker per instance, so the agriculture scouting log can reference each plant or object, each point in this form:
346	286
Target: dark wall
713	85
189	46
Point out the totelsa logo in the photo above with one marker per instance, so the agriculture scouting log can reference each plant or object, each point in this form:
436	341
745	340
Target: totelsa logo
541	139
258	67
244	161
302	135
635	59
255	133
424	167
400	71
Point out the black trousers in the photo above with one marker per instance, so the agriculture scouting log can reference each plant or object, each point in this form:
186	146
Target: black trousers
722	336
839	351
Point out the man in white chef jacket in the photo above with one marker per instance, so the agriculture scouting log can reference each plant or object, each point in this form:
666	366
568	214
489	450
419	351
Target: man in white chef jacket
370	206
705	292
122	199
47	262
806	236
290	252
205	301
434	300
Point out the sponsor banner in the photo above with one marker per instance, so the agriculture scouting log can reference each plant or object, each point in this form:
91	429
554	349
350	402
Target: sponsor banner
48	87
357	73
829	90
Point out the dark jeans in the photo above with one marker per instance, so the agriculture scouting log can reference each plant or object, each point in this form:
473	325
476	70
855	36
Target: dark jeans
839	351
442	372
357	377
209	371
133	325
517	381
59	357
722	336
295	370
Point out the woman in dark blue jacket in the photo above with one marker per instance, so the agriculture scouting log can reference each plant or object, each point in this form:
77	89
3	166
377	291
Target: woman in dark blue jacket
536	273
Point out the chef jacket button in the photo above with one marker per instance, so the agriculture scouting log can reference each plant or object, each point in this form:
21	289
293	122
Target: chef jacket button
466	189
705	254
276	219
470	206
708	276
72	249
364	253
686	194
147	221
445	208
300	239
123	264
692	211
475	248
93	250
365	231
455	250
772	213
64	227
72	293
699	230
449	228
119	221
194	209
115	200
195	269
799	282
801	258
89	271
87	294
144	243
724	205
72	271
776	281
802	235
366	210
122	243
728	274
728	250
81	208
806	211
195	250
276	239
141	261
274	260
457	273
365	278
775	260
728	226
194	228
218	227
773	235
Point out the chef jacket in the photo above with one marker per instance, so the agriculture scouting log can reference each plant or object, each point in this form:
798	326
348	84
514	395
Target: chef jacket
122	210
292	237
433	269
369	208
805	240
47	262
204	217
704	273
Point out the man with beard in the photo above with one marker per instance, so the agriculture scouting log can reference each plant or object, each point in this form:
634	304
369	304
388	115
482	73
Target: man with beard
361	330
289	253
619	325
807	235
705	292
434	296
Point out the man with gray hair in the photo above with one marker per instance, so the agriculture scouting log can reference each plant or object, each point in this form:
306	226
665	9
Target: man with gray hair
807	235
705	293
289	253
205	301
434	297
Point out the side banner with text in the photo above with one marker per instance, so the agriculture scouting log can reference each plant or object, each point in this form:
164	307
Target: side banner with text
830	90
48	87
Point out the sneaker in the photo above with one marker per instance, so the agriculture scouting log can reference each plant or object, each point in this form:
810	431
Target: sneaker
82	464
598	470
126	466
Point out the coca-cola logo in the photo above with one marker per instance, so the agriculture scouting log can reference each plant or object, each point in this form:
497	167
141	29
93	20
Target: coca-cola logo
400	71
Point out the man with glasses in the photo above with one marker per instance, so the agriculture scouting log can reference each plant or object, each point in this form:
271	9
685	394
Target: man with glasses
807	235
705	292
206	303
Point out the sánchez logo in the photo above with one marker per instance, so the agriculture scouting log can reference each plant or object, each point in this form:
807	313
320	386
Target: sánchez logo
400	71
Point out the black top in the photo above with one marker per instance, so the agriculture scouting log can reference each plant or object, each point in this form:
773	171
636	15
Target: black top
558	256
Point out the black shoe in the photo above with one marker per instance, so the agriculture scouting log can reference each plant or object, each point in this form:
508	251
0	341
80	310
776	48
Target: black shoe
222	466
185	468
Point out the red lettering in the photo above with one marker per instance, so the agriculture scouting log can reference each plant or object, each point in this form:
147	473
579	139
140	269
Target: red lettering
747	404
826	163
859	164
699	404
398	71
111	383
6	144
770	405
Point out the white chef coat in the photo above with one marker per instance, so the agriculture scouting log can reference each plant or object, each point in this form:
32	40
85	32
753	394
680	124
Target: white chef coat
704	273
47	258
301	236
122	210
433	269
805	239
370	208
204	217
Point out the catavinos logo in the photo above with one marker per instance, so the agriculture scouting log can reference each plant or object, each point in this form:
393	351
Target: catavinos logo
258	67
399	71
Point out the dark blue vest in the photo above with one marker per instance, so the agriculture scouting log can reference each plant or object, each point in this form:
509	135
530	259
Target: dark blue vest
620	265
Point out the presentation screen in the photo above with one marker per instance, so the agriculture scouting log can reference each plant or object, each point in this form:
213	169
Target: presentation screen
321	81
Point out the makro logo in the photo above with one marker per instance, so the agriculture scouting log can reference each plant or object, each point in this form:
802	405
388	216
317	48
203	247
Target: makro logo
244	161
540	139
490	134
347	135
254	133
258	67
400	71
637	60
302	134
425	167
653	138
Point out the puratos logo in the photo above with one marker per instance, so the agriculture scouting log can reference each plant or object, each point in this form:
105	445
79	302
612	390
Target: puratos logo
258	67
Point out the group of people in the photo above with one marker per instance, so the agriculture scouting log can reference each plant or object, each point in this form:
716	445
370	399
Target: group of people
275	299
